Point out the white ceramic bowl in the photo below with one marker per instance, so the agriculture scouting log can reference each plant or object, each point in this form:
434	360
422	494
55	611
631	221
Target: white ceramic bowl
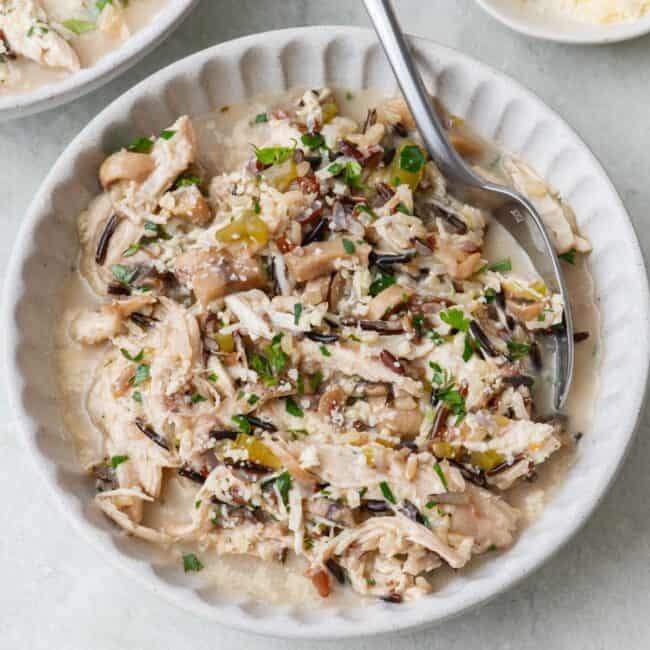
350	58
108	67
515	14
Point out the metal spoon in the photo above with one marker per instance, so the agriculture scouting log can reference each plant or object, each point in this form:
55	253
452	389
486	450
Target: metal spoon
512	210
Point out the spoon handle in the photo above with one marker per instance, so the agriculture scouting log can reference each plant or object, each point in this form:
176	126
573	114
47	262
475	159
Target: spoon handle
398	54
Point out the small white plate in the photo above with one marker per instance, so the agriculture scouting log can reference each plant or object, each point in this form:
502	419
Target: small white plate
515	14
108	67
269	63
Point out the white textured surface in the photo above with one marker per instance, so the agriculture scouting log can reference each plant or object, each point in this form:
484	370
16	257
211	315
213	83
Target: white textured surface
61	596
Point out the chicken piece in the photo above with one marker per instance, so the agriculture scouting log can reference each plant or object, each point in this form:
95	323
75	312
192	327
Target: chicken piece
93	326
213	274
320	258
251	308
556	215
172	156
395	111
188	203
28	33
400	531
350	360
487	519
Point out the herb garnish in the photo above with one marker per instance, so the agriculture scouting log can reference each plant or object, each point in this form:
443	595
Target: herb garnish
283	484
191	563
455	318
441	476
261	118
292	408
324	351
381	283
349	246
125	274
79	26
140	145
141	374
501	266
518	350
167	135
118	460
386	491
138	357
242	423
569	256
313	140
297	311
411	159
274	155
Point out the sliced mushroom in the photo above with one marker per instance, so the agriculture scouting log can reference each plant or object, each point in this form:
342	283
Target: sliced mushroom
125	165
320	258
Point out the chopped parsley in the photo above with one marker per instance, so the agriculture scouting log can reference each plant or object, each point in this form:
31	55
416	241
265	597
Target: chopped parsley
191	563
501	266
297	311
381	283
349	246
469	348
141	145
167	135
324	351
138	357
212	377
418	321
490	295
260	118
137	396
124	274
438	470
401	207
274	155
411	159
362	207
141	374
79	26
257	208
435	337
455	318
569	256
242	423
197	397
518	350
292	408
316	380
270	363
492	548
253	399
445	392
353	171
118	460
313	140
283	484
187	180
387	492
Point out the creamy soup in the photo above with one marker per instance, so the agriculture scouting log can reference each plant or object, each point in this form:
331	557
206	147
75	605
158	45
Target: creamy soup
44	41
296	366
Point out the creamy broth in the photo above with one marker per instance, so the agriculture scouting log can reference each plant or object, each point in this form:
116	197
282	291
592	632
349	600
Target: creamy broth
22	75
224	138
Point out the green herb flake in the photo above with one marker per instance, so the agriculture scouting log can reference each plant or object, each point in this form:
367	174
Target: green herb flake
260	118
141	374
518	350
124	274
468	348
257	208
187	180
386	491
569	257
401	207
79	27
212	377
197	397
242	423
438	470
335	168
313	140
292	408
490	295
324	351
439	375
316	380
349	96
274	155
137	396
492	548
435	337
283	484
455	318
349	246
353	171
430	505
197	504
141	145
501	266
381	283
118	460
297	311
362	207
191	563
411	159
131	250
137	358
167	134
